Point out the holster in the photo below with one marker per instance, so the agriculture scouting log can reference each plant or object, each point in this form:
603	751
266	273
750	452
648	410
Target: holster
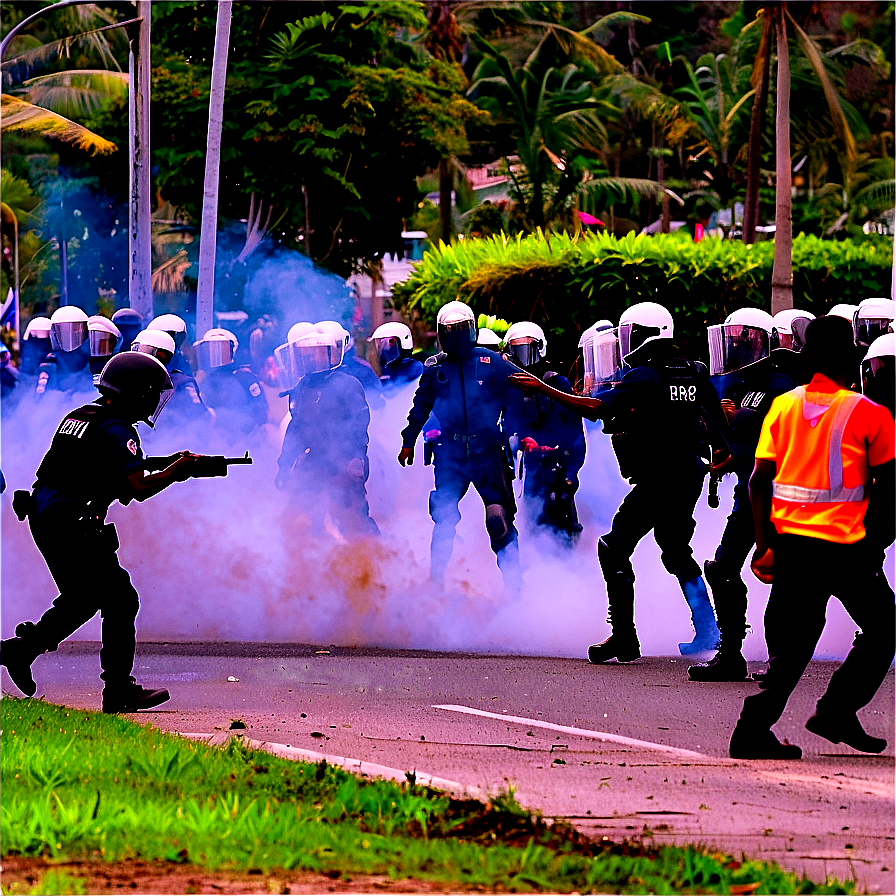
22	504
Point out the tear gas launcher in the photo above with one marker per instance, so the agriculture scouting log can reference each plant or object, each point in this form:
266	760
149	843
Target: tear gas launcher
203	466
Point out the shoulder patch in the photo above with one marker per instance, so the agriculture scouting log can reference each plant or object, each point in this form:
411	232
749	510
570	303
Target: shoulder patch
485	359
132	447
255	390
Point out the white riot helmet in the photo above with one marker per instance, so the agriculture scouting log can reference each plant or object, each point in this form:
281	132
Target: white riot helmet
643	323
173	325
873	318
456	325
789	329
38	328
335	329
393	340
879	371
601	357
217	348
526	342
103	336
316	351
287	373
843	310
158	343
742	340
488	339
68	329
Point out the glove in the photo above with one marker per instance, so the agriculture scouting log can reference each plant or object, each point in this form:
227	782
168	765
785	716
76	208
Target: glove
528	444
763	567
406	456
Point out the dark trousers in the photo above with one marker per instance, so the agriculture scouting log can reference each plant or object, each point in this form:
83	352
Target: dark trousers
666	505
549	493
90	580
808	571
487	471
319	489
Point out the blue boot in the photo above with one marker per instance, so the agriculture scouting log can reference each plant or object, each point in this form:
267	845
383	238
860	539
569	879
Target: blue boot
703	617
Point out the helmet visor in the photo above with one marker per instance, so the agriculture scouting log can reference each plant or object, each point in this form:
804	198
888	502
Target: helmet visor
869	328
162	354
317	358
212	353
734	346
388	348
525	350
164	398
607	360
287	375
68	335
102	343
879	379
458	336
632	336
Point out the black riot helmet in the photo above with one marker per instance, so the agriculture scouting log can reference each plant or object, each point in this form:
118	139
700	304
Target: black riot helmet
136	384
130	323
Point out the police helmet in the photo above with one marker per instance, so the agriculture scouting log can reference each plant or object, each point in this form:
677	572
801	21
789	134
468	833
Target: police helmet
217	348
68	329
843	309
103	336
173	325
158	343
873	318
130	322
744	339
879	371
643	323
137	382
5	355
335	329
526	342
393	340
456	325
789	329
287	373
488	339
38	328
317	351
302	328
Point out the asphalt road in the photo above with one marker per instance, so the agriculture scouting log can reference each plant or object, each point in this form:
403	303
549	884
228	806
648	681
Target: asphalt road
620	750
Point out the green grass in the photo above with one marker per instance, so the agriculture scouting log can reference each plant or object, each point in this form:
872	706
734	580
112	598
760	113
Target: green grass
80	785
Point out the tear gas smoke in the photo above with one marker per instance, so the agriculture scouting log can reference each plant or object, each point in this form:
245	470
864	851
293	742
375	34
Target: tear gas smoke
235	559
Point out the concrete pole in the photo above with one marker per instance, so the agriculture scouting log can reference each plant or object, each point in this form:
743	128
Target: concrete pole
205	290
140	205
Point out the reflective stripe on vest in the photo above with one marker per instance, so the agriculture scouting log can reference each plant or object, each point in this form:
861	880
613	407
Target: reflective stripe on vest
836	493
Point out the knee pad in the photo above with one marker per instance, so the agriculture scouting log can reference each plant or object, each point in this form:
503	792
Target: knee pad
612	562
496	522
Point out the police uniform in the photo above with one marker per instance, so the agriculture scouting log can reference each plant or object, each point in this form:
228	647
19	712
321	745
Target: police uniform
752	391
366	376
87	467
324	454
400	372
186	405
551	479
234	393
65	372
468	395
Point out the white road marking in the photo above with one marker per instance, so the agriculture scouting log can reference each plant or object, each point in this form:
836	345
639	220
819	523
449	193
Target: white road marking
585	732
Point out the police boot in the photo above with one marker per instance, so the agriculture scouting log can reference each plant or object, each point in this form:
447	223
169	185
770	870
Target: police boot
702	616
730	600
132	698
623	644
17	654
727	665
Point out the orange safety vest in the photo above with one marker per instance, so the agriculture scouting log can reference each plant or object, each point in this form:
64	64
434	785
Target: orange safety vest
819	490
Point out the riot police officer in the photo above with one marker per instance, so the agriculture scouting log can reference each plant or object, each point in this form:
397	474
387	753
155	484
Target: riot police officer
186	406
487	338
352	364
551	438
323	461
102	337
747	383
873	318
35	345
94	459
67	367
231	390
467	389
879	371
394	346
176	328
129	322
658	415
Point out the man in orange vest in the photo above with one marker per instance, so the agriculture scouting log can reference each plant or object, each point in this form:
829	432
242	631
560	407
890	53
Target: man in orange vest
823	451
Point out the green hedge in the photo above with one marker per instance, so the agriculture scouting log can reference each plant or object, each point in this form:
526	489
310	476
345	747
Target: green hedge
566	282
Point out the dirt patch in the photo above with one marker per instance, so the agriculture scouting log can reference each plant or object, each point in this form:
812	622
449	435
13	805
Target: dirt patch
21	874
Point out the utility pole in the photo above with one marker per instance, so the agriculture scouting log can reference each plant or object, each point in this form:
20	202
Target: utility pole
205	289
139	209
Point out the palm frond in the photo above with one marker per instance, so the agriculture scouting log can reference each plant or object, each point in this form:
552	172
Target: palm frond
621	188
76	93
18	115
169	276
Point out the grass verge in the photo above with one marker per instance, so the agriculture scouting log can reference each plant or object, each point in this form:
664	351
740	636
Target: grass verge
81	785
